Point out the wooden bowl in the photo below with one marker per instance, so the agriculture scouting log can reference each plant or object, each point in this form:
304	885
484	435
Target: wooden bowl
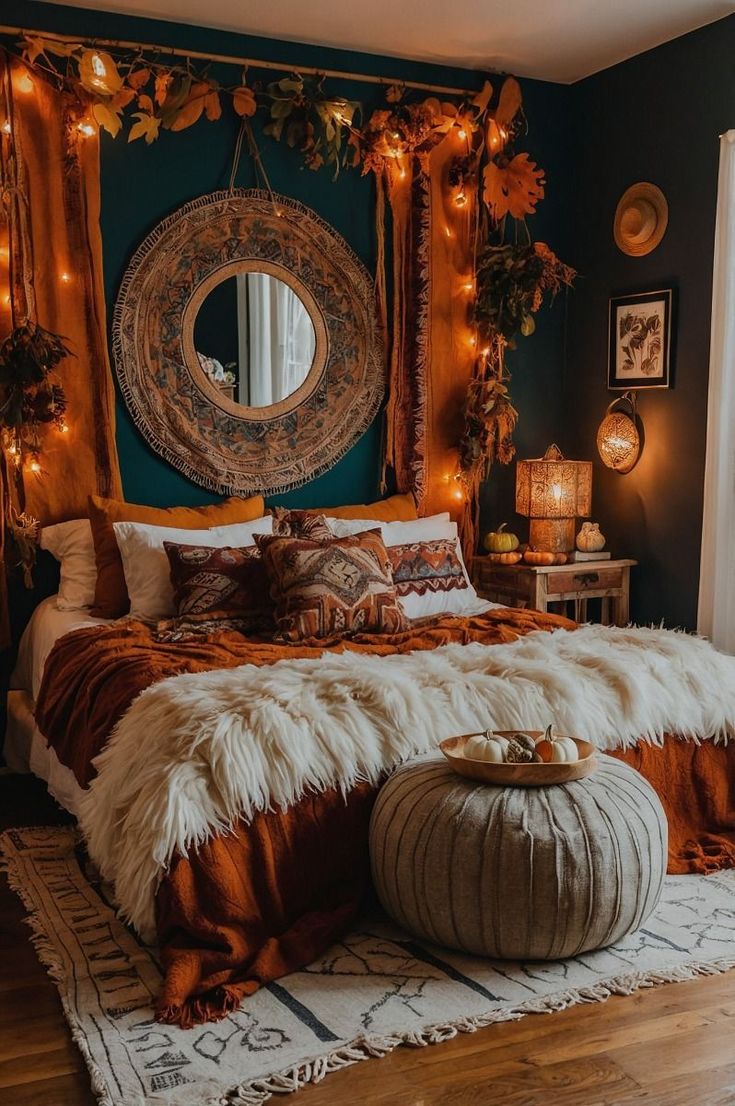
519	775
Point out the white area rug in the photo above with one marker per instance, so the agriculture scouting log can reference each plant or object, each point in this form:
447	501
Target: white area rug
375	990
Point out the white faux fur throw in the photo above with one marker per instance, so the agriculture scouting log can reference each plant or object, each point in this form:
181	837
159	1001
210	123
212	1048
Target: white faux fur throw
195	752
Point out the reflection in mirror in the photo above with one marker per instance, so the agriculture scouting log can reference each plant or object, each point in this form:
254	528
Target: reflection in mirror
255	339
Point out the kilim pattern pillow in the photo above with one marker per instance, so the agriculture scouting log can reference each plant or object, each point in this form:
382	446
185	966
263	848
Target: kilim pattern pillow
427	566
229	581
331	588
300	524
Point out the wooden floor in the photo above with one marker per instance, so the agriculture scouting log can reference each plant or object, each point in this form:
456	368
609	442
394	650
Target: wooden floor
666	1046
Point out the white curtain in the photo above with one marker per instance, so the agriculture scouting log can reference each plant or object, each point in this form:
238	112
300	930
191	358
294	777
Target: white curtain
716	619
277	344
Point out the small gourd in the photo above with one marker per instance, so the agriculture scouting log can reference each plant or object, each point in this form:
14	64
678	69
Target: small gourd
500	541
537	557
541	557
486	746
563	749
589	538
505	558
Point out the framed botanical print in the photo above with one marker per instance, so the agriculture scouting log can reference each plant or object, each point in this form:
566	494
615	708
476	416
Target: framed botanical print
640	340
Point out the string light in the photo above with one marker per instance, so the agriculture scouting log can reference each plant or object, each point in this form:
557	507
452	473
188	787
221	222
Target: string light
6	128
35	465
469	286
63	426
65	278
86	129
24	82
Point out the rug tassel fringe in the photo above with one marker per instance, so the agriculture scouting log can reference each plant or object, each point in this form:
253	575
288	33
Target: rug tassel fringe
293	1079
52	962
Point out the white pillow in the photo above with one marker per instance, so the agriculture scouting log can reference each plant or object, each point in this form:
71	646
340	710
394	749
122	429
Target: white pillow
72	545
146	566
397	533
463	600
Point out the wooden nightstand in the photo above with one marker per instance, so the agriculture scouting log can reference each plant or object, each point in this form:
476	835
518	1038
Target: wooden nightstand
538	586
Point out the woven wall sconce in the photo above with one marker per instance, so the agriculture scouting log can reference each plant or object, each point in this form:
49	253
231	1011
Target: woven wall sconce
552	492
618	440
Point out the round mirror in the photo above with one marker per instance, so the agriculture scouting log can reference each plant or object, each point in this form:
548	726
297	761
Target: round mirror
254	339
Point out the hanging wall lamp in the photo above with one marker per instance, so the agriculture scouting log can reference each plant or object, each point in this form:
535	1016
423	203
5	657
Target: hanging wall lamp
618	440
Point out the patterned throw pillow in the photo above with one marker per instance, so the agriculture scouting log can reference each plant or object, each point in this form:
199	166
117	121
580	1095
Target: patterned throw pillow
229	581
426	566
300	524
332	588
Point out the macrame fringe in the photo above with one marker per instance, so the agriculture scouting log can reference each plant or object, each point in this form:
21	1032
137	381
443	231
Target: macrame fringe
215	482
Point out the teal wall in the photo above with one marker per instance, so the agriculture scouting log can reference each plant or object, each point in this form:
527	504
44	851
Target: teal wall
141	185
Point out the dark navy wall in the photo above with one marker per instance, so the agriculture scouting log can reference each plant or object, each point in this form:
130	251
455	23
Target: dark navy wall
657	118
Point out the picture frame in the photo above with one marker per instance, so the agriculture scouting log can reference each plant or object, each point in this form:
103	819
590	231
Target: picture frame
640	340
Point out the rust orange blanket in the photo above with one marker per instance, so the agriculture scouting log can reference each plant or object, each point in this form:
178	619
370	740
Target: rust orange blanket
251	906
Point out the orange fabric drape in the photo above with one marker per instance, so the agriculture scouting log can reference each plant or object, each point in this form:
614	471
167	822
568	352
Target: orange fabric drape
432	355
57	190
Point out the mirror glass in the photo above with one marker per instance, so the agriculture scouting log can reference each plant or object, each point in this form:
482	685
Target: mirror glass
254	339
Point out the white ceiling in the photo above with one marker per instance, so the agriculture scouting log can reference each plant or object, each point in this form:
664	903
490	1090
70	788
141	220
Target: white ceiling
555	40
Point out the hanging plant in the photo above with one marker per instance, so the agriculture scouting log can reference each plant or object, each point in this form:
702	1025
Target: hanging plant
512	282
310	120
30	396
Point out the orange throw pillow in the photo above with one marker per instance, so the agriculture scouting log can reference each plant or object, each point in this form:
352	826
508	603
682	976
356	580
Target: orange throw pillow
111	595
325	589
396	508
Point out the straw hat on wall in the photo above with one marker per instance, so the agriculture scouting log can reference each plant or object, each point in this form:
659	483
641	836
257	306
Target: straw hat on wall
640	219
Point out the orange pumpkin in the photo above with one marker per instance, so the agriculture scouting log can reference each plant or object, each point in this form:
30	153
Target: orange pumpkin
544	750
504	558
537	557
540	557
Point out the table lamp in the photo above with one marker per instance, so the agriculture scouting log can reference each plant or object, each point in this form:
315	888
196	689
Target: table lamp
552	492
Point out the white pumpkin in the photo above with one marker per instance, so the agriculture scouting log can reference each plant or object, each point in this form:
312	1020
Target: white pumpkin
564	749
490	749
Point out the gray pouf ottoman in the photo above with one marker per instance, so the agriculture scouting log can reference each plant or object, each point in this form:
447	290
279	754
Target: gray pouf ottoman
518	873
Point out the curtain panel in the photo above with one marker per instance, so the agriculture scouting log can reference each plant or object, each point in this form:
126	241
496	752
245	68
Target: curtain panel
57	181
716	617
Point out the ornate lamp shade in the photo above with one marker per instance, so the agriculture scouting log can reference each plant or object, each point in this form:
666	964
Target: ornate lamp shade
618	440
552	492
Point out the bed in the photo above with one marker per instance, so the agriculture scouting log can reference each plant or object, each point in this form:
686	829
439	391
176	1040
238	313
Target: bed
267	892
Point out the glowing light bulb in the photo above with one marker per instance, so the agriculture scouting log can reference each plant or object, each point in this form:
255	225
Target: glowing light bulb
486	351
462	133
86	129
556	492
65	278
460	199
448	232
63	426
35	465
469	286
6	127
24	82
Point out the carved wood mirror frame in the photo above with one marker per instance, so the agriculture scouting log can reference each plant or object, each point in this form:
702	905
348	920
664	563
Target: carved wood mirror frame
213	440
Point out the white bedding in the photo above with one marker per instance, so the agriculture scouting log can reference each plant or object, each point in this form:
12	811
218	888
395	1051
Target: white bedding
211	747
25	748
